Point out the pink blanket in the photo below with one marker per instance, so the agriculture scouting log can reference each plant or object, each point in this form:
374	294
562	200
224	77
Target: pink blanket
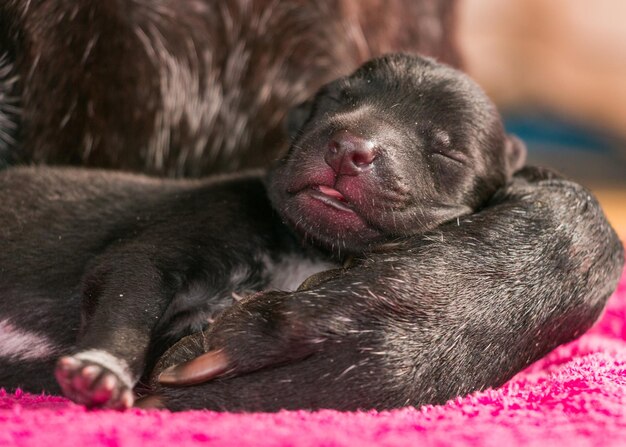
574	396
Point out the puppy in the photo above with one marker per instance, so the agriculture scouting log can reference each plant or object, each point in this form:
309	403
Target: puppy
186	87
460	308
396	149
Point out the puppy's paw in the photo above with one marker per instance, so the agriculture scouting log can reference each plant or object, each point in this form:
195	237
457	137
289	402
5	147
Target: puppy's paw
263	330
85	380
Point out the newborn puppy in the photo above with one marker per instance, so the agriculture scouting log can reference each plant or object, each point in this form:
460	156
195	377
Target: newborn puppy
460	308
399	147
406	145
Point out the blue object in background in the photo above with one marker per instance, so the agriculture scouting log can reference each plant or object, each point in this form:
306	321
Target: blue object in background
583	153
548	130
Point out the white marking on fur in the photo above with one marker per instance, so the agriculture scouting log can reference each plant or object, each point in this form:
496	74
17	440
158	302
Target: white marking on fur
114	364
19	344
239	275
292	270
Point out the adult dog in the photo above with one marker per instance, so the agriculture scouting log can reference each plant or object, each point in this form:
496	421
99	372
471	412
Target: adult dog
185	87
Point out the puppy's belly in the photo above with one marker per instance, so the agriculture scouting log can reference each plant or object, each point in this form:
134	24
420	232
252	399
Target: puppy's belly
21	344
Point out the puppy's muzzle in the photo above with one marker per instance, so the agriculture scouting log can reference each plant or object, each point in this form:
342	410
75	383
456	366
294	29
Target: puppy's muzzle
349	154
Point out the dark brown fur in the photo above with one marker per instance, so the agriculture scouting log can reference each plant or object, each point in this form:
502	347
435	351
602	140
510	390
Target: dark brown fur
191	87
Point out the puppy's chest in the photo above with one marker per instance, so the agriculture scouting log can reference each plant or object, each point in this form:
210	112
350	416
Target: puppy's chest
289	271
200	302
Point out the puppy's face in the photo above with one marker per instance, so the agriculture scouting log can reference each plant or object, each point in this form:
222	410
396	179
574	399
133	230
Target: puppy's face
397	148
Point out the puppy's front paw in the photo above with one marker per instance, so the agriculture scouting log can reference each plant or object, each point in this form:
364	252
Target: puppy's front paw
262	330
87	381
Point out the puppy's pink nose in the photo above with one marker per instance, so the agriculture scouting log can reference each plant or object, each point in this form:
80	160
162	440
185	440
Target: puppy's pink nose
349	154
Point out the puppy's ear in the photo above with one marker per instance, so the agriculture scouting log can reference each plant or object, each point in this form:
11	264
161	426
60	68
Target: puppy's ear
297	118
514	153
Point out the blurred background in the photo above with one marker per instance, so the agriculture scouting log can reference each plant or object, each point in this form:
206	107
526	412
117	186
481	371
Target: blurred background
557	69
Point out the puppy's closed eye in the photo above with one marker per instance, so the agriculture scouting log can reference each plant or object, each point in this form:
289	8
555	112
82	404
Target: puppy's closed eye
441	146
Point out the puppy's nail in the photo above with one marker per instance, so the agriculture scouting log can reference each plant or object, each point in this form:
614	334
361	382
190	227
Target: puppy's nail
198	370
127	400
108	383
68	362
90	372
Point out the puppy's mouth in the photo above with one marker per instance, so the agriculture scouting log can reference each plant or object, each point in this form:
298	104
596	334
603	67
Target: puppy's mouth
329	196
329	217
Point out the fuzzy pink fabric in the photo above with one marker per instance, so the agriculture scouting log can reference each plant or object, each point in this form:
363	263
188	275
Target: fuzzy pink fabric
574	396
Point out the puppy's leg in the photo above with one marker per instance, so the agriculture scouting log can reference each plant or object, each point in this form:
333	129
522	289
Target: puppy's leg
124	295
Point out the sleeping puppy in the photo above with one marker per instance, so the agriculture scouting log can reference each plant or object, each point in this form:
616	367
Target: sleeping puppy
409	144
461	308
396	149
